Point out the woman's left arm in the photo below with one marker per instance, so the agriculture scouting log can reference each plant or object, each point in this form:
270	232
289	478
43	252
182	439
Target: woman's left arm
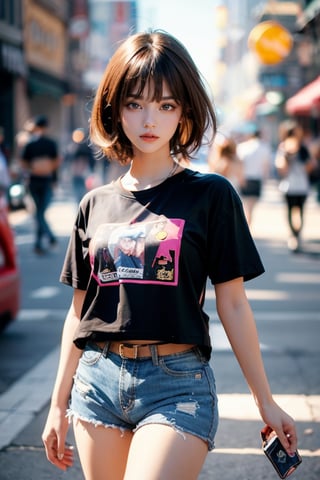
237	319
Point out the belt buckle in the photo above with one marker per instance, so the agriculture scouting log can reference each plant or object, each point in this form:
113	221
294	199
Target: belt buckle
135	349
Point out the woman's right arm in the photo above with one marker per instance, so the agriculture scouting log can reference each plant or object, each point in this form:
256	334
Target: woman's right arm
56	428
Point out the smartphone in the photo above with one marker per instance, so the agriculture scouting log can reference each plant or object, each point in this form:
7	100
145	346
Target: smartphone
276	453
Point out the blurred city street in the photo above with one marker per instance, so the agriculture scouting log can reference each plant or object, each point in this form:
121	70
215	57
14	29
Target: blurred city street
286	304
260	64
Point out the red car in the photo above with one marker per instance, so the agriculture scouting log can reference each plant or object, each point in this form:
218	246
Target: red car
9	271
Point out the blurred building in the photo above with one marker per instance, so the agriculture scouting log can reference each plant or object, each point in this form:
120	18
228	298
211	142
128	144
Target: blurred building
110	22
13	68
52	55
237	86
252	89
45	40
305	103
280	80
34	37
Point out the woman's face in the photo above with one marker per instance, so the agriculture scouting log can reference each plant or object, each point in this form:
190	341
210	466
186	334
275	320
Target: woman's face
149	124
291	145
127	245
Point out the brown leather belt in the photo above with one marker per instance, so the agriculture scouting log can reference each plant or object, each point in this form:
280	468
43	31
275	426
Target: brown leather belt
133	351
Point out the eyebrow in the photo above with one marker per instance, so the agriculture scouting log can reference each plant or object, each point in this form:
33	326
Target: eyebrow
135	95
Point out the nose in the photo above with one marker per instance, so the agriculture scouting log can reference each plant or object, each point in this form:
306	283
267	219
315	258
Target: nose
149	124
149	120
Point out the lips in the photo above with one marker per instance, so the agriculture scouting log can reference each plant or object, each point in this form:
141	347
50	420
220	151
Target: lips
148	137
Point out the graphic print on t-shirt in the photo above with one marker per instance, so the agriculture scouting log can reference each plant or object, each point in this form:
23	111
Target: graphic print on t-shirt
143	251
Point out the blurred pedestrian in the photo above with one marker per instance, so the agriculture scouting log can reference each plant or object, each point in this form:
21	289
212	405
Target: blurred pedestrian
40	159
18	195
24	136
4	175
80	158
134	373
256	156
4	165
4	149
223	159
20	176
294	165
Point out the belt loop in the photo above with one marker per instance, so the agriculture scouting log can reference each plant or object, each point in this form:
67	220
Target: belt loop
105	350
199	354
154	354
135	349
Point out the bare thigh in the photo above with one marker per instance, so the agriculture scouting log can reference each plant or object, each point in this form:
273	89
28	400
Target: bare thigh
103	451
159	452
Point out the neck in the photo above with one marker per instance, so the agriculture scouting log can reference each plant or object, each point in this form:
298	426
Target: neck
135	180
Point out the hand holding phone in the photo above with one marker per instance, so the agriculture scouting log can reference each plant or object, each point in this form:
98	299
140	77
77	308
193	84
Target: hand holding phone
276	453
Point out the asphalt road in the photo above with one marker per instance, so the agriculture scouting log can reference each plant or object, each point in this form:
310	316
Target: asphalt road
286	303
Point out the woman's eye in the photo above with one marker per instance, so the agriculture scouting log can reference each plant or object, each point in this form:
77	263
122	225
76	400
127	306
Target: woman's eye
167	106
133	106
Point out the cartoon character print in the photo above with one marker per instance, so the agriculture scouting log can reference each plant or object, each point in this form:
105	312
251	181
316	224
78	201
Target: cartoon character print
143	251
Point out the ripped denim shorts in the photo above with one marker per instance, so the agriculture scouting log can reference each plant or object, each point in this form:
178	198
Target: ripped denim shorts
176	390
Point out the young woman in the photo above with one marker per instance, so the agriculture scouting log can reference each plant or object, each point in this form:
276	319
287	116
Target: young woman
223	159
294	165
134	372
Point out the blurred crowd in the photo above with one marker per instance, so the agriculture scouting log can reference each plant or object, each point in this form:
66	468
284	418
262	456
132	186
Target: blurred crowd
247	160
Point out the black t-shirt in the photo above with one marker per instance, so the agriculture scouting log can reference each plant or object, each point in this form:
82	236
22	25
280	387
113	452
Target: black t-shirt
144	257
38	147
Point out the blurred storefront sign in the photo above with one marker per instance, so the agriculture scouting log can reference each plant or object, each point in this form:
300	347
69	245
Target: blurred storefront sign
45	40
79	27
306	101
273	79
270	41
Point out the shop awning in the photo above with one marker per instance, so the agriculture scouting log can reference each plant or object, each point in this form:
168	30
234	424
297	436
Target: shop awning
306	101
42	83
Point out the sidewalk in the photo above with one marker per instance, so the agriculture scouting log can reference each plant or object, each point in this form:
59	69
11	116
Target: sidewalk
238	454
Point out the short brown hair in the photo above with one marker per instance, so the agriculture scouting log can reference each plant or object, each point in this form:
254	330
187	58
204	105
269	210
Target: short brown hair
143	58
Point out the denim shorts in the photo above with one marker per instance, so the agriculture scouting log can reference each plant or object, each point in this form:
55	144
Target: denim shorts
176	390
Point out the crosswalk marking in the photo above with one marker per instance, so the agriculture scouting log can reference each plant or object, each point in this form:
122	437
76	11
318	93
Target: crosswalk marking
37	314
241	406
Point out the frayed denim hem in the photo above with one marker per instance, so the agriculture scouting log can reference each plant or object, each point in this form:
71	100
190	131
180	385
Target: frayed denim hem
71	415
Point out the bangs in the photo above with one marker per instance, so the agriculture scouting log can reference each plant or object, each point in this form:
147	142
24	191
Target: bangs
148	63
150	74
